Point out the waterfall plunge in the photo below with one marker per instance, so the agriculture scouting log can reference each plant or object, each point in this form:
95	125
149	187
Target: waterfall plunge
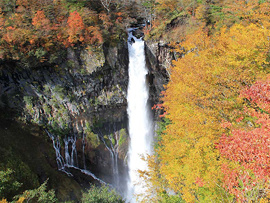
140	128
140	124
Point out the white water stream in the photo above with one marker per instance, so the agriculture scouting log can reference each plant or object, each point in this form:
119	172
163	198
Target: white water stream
140	129
71	160
140	122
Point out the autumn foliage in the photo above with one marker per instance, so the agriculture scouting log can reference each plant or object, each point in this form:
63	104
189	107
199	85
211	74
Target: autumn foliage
40	21
75	27
216	147
38	29
249	146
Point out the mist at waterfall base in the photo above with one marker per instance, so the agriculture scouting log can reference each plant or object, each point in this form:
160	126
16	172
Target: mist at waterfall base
140	122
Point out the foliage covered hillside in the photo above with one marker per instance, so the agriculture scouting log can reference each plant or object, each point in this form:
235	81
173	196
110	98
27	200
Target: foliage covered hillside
215	145
31	29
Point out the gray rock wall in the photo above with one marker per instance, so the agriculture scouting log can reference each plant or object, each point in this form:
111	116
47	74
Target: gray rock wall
158	60
84	95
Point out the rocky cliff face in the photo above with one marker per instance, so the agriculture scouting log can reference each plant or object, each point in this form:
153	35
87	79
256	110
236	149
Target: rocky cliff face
84	96
158	60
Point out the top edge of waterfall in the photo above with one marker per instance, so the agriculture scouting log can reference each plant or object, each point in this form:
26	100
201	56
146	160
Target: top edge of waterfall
132	29
131	36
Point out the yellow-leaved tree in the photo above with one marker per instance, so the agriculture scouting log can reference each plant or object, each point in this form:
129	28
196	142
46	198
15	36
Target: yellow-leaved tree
203	93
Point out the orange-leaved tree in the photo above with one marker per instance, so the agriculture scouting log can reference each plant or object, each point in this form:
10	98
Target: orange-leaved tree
75	27
40	21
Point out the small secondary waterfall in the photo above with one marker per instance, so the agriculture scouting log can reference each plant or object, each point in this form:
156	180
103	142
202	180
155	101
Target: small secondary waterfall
71	160
140	122
113	149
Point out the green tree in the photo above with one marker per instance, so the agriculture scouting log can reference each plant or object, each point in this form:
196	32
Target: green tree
39	195
7	183
101	194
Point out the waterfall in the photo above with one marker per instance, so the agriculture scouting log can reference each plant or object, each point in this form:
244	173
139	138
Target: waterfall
140	124
113	149
83	149
59	159
70	161
57	147
140	130
67	156
115	166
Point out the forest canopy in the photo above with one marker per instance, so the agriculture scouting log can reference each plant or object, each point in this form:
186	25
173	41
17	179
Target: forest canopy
37	29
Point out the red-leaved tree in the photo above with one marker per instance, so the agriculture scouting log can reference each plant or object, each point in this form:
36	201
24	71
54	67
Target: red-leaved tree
247	147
